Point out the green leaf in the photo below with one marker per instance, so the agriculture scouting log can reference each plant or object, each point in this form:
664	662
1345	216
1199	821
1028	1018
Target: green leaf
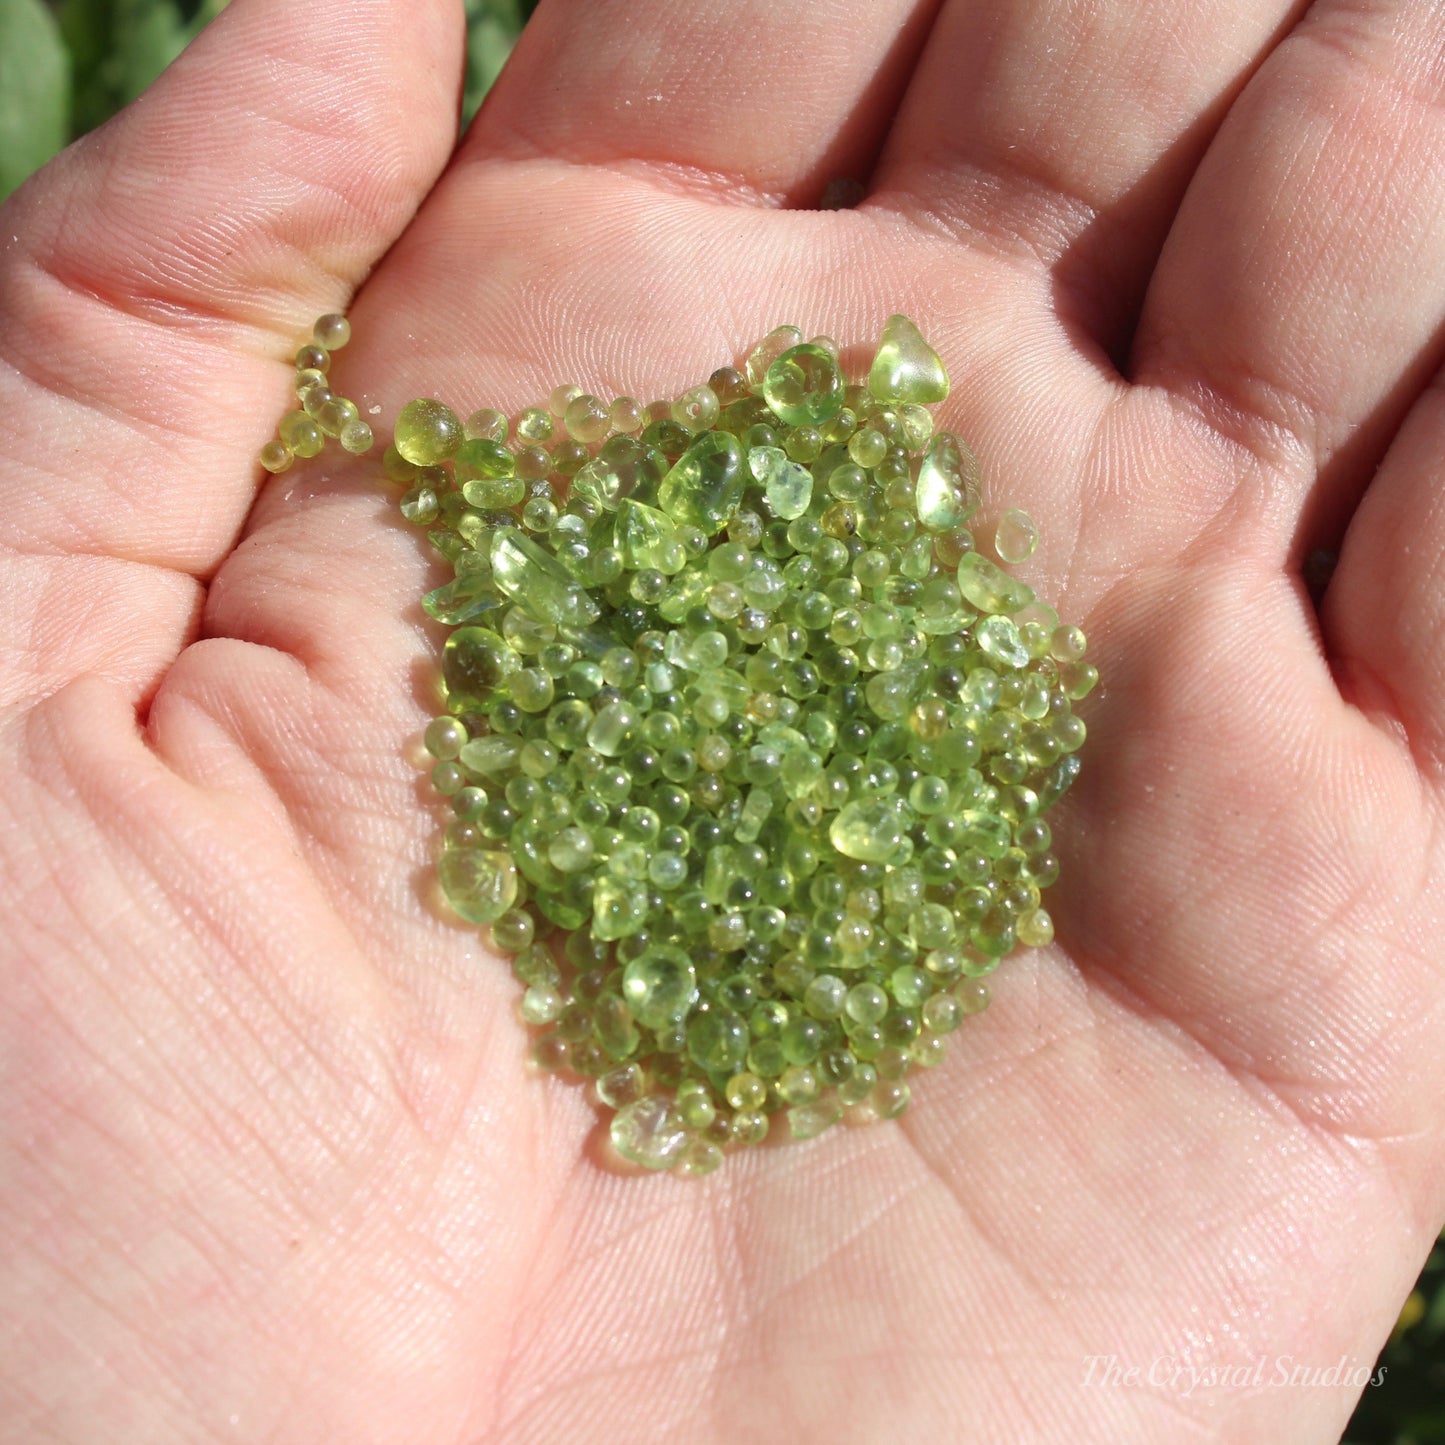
85	26
147	36
34	90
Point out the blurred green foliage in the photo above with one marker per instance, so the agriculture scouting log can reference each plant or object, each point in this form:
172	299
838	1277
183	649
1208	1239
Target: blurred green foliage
34	90
67	65
1408	1406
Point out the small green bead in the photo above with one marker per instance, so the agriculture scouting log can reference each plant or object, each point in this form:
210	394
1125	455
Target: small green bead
427	431
660	986
866	1003
804	387
331	332
746	1092
650	1132
276	456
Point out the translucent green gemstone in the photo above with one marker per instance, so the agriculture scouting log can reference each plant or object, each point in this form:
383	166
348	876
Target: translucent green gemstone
598	482
891	1098
331	332
1016	537
646	537
650	1132
999	638
746	1092
587	419
717	1041
660	985
621	1086
612	1021
804	386
696	410
481	884
490	756
610	728
276	456
705	485
537	582
807	1121
989	588
701	1157
483	458
906	368
798	1084
444	738
427	432
946	493
1035	929
619	909
916	425
787	486
357	438
873	831
475	661
767	351
866	1003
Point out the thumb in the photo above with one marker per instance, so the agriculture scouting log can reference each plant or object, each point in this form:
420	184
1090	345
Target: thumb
265	172
154	277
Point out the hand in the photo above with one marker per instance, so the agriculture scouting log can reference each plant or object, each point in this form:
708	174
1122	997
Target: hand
275	1167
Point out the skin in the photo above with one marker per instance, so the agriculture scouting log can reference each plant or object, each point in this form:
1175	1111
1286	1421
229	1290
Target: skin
274	1168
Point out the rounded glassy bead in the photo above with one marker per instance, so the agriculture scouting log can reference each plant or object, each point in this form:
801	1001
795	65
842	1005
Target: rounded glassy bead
331	332
299	432
444	738
941	1013
487	424
696	410
858	1085
512	932
746	1091
562	397
427	431
313	358
357	437
972	995
1016	537
749	1126
587	419
541	1004
625	415
1035	929
536	425
890	1098
275	456
700	1157
550	1053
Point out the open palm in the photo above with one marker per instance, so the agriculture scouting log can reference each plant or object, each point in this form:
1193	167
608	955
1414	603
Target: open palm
274	1167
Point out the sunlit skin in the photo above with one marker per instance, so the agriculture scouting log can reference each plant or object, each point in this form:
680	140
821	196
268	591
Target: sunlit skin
274	1164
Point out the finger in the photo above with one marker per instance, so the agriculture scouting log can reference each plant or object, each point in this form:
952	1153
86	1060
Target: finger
1384	611
156	276
764	99
1298	300
1067	132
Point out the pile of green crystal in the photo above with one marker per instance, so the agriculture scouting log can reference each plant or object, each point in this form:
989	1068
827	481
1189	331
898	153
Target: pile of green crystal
747	747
